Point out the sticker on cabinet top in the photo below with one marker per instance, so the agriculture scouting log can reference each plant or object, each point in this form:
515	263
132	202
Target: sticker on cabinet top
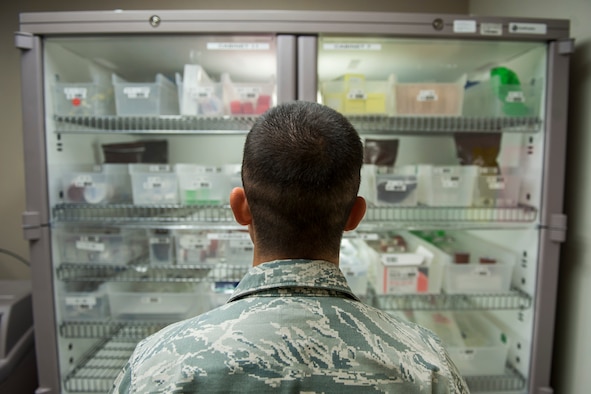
238	46
528	28
464	26
351	46
491	29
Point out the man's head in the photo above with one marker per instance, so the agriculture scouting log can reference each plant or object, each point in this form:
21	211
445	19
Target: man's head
300	173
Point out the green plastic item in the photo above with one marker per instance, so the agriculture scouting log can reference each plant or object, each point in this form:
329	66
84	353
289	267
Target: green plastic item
507	88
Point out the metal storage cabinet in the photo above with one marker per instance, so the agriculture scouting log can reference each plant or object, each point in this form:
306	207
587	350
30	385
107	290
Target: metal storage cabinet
421	79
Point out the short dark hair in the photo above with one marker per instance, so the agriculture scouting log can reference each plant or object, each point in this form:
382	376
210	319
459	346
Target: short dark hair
301	174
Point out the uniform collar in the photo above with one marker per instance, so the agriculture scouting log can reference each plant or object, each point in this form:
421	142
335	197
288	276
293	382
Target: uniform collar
316	274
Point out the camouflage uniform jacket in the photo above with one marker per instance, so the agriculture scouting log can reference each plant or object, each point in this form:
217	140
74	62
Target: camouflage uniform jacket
291	326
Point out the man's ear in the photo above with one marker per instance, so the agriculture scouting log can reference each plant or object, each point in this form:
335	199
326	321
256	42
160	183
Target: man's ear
240	206
357	213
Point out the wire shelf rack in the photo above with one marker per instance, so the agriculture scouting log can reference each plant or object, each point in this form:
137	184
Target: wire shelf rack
72	272
241	124
399	217
514	299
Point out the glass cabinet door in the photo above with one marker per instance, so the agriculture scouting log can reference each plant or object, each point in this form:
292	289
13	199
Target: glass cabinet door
144	143
452	173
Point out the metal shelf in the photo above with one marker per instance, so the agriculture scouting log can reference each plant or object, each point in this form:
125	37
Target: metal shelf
399	217
72	272
107	329
99	368
241	124
514	299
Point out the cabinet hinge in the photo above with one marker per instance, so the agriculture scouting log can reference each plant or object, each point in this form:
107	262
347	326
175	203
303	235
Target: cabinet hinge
566	47
557	227
23	40
31	225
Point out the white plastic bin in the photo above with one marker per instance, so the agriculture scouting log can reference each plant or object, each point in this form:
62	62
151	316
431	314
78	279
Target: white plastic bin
429	98
153	184
202	185
83	301
485	267
194	247
353	94
198	94
162	247
247	98
234	247
354	263
99	184
451	186
83	99
101	245
496	187
418	269
153	301
481	99
145	98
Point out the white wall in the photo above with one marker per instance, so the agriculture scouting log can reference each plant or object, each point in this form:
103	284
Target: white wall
12	187
572	350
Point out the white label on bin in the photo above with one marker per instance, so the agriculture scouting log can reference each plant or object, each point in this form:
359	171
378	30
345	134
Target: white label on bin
75	93
401	259
515	97
83	181
84	244
466	354
81	301
481	272
153	182
401	280
151	300
351	46
202	92
200	184
464	26
491	29
238	46
369	236
159	168
137	92
192	242
356	94
160	240
395	186
248	93
427	95
495	183
451	182
528	28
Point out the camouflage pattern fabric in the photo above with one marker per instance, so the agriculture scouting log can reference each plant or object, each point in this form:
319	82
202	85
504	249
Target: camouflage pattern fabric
291	326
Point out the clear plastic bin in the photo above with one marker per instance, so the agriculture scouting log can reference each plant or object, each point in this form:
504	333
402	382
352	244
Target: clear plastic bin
198	94
353	94
481	100
485	348
83	301
479	267
145	98
247	98
414	268
101	245
496	187
233	247
194	247
104	184
354	263
429	99
153	184
83	99
162	247
153	301
396	186
202	185
447	185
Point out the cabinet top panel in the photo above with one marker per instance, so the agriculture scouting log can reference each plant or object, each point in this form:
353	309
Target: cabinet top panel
302	22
